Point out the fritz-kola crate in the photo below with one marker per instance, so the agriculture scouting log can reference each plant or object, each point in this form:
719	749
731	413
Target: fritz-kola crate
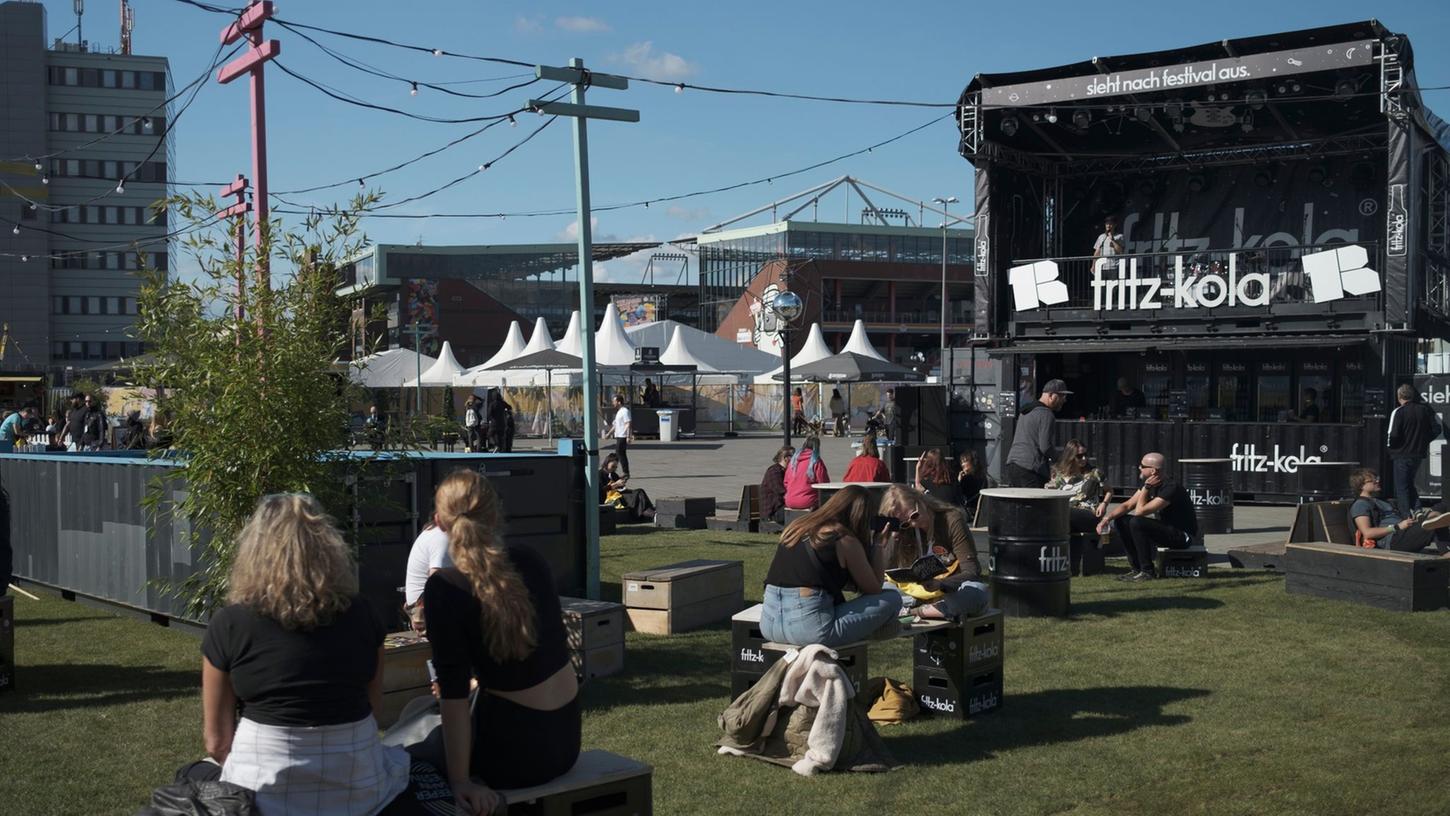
596	636
683	596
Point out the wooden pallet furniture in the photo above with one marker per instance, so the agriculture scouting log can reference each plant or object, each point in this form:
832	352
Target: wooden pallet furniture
679	597
1322	521
596	637
599	784
1398	581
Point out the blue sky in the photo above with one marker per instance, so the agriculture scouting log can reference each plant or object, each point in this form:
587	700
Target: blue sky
918	51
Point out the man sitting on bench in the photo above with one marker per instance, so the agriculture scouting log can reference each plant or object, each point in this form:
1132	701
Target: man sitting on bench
1378	524
1175	526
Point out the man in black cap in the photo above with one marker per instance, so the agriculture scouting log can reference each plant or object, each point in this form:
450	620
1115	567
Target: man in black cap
1032	454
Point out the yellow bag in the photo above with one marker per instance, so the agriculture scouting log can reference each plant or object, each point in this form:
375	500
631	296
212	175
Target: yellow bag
891	702
920	593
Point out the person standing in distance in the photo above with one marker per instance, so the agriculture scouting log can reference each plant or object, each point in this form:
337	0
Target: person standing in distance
1412	425
1109	244
623	432
1031	454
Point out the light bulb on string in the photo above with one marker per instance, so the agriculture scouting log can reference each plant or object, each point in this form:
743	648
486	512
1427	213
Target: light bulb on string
34	206
121	186
39	167
45	179
413	91
15	230
437	52
512	121
24	258
679	87
361	185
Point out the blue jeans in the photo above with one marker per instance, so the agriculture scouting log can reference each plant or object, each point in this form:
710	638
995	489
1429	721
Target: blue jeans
969	599
801	621
1403	470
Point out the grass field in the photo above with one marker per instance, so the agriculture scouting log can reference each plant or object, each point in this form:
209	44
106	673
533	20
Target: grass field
1224	696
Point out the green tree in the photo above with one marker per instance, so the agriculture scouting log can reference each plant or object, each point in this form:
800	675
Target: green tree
255	404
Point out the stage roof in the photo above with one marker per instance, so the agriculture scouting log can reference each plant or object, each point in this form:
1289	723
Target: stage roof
391	263
1294	87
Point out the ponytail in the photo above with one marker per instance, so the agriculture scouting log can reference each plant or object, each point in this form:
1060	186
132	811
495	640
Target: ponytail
467	504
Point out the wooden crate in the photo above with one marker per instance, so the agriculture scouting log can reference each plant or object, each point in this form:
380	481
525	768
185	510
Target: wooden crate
599	784
687	582
687	617
601	662
1402	582
678	506
596	636
405	673
1266	556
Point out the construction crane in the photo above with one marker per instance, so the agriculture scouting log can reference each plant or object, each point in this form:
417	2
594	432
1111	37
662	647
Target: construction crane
128	22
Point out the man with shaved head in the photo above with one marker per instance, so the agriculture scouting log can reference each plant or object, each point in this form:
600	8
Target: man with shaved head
1159	514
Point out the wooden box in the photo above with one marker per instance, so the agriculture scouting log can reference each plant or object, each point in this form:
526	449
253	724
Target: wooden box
405	672
599	784
1401	582
674	521
1186	563
687	617
683	596
7	643
693	507
596	636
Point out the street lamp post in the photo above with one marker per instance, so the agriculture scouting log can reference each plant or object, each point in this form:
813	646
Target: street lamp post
787	306
945	204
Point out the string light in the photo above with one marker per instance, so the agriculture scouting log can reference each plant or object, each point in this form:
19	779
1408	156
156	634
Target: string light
121	186
512	121
437	52
45	179
38	167
679	87
24	258
362	185
413	91
16	230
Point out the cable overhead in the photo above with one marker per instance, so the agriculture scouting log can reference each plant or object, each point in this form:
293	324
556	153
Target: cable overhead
352	100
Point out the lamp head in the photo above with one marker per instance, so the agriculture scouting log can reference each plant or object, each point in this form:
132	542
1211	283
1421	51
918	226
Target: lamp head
788	305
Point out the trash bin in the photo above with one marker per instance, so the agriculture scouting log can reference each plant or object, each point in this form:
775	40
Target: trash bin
667	424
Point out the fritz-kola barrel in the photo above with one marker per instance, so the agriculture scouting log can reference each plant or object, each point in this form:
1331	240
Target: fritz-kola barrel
1209	483
1030	557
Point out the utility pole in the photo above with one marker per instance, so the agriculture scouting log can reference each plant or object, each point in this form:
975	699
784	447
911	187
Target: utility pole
249	25
583	79
238	211
418	366
945	219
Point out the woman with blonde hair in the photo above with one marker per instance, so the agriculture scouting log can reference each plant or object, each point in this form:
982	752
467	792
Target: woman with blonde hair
302	651
932	540
494	616
1087	498
819	556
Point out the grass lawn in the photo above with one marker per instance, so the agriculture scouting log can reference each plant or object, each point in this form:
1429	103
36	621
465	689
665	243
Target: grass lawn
1219	696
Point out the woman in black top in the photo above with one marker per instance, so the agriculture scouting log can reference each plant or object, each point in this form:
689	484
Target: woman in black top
633	499
495	616
971	481
933	479
772	486
302	652
818	557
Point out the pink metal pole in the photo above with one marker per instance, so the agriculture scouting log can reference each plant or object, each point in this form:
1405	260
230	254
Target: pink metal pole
252	63
239	211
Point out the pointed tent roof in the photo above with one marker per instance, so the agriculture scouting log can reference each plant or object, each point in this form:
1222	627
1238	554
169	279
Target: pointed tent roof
860	344
611	345
388	369
813	349
713	353
441	372
540	340
570	344
513	346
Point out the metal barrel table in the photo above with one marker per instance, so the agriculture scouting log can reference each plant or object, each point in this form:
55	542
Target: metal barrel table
1030	557
1209	483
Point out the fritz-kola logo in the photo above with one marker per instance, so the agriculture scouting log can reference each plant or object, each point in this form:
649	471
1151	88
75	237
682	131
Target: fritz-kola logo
1247	459
1035	285
1337	272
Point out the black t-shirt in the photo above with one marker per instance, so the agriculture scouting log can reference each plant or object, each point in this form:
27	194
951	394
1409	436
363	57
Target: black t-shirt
1179	512
455	629
296	678
794	567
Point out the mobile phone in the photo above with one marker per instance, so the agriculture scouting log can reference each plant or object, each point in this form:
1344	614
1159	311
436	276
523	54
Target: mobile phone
887	524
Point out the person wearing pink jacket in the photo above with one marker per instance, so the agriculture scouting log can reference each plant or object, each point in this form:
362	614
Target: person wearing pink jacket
805	469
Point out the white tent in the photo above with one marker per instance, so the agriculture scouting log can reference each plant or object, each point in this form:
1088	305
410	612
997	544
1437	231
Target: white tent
571	344
708	351
441	372
611	345
859	343
388	369
513	346
813	349
540	340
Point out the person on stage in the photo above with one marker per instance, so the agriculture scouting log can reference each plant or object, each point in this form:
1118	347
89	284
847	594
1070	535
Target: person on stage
1109	244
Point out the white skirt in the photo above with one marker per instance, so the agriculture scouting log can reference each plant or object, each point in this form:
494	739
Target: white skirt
328	770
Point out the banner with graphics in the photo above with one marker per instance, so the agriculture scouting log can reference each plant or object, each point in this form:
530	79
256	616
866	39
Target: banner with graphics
1435	391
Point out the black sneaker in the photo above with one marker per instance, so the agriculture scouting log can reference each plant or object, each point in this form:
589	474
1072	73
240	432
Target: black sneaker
1145	575
1131	576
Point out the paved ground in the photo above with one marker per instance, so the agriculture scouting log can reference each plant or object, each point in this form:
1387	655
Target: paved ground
719	467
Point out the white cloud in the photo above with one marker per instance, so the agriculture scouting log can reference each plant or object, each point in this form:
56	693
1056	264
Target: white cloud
571	232
663	65
688	213
528	25
582	25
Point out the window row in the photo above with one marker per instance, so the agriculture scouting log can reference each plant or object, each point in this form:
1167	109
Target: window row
108	78
107	123
120	216
128	261
95	350
153	171
92	305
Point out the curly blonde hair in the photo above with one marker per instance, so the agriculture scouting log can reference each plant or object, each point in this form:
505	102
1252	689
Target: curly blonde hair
468	508
291	564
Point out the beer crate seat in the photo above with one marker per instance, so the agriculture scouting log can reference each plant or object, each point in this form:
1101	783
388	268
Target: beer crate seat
405	673
957	665
596	636
599	784
1398	581
1086	554
746	518
1190	562
684	513
688	595
608	519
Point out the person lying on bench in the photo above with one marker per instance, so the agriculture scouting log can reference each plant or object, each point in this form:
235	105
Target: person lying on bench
495	616
818	557
303	652
920	528
1378	524
1175	526
617	493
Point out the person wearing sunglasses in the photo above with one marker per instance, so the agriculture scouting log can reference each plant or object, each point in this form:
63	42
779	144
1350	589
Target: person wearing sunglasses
1378	524
1158	514
1086	498
930	553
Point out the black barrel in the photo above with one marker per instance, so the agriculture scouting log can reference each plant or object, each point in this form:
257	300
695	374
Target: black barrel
1030	559
1325	481
1209	483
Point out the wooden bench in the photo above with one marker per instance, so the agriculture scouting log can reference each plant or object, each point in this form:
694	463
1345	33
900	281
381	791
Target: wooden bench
684	513
599	784
1398	581
956	665
1322	521
1266	556
747	515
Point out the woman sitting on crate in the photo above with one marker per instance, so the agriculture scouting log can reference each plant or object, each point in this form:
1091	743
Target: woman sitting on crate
804	470
867	465
1377	524
616	493
819	556
1087	500
495	616
303	652
931	554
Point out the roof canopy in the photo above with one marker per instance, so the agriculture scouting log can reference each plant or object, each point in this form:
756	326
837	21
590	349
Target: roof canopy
441	372
860	343
388	369
570	344
611	345
686	345
540	340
